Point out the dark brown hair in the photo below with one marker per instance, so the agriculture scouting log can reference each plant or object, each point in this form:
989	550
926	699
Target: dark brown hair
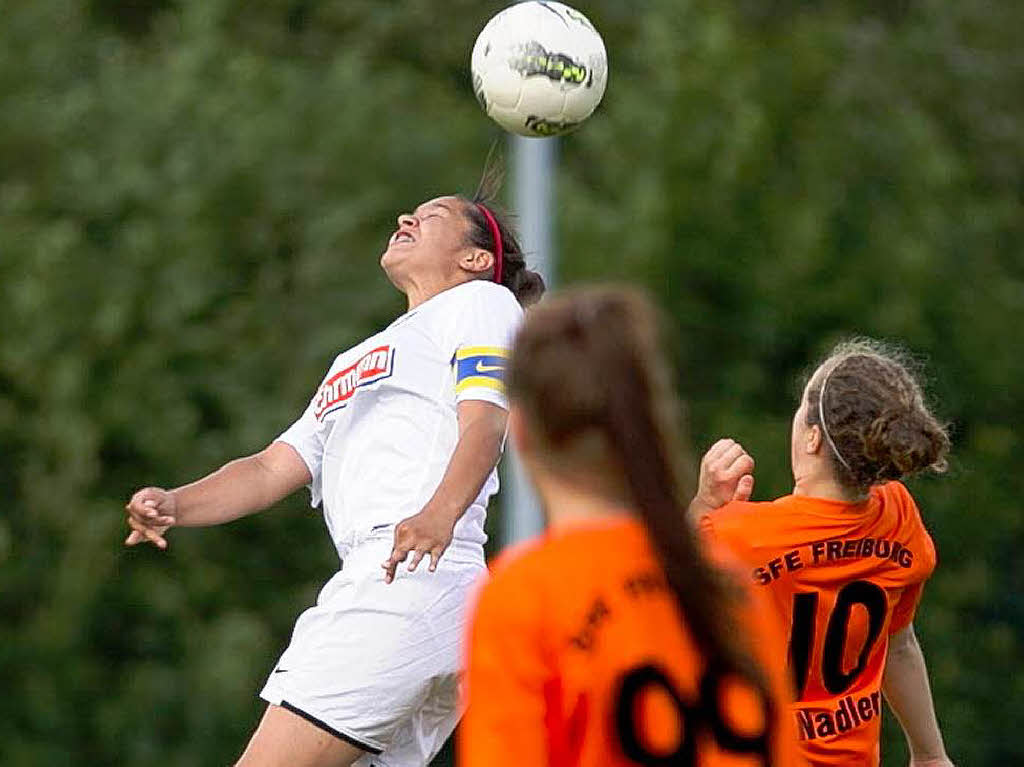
877	426
526	285
588	371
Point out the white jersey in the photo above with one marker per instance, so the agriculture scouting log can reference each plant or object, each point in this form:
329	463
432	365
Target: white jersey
379	433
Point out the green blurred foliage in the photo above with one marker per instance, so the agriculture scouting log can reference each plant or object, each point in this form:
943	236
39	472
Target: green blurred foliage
193	197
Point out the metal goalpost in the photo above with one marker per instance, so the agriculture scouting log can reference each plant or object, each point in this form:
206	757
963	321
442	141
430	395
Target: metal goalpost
533	163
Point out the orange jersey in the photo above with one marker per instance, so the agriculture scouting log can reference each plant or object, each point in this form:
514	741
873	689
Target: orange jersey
577	656
843	577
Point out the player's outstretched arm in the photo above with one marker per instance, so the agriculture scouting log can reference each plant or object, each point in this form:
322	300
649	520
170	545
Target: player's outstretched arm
726	474
238	488
906	688
481	432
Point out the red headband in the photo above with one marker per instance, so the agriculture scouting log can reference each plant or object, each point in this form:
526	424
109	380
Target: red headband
499	251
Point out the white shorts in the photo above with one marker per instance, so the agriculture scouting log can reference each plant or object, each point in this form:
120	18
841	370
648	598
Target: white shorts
377	664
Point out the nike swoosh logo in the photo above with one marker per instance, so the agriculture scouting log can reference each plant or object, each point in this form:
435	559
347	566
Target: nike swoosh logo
280	671
482	368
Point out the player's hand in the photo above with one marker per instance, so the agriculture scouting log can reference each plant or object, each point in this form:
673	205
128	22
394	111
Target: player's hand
726	474
428	532
151	512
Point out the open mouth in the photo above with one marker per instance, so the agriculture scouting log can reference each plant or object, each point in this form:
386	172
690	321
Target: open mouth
401	236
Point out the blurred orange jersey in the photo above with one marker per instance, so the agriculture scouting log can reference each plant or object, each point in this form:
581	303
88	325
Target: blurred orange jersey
844	577
577	656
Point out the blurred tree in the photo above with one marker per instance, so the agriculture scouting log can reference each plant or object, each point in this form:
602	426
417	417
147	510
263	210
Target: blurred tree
193	198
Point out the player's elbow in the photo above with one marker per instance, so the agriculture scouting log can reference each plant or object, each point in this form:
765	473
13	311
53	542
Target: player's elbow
278	470
495	423
904	640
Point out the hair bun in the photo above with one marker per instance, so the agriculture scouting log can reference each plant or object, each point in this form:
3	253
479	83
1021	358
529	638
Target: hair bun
528	287
902	442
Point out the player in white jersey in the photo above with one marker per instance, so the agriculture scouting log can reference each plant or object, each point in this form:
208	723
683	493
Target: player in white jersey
399	444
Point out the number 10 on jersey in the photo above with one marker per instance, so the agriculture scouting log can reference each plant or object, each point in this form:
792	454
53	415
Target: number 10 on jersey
802	638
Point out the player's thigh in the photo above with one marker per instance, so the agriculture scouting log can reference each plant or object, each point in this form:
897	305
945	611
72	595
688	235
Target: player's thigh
284	739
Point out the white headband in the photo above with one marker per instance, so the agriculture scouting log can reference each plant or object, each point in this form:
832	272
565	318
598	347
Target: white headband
824	428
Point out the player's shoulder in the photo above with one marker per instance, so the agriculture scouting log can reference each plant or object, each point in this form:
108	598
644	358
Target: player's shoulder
473	305
517	557
735	510
485	292
520	562
540	560
896	493
739	516
519	578
899	513
493	300
898	507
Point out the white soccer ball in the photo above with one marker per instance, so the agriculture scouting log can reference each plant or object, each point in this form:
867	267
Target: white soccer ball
539	68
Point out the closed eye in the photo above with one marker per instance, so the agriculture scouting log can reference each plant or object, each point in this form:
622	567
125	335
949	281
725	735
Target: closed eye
434	209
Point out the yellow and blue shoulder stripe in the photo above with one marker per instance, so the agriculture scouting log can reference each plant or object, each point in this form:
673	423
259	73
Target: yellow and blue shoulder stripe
480	367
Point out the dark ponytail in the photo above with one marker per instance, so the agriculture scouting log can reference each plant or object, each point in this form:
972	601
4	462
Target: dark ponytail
526	285
588	371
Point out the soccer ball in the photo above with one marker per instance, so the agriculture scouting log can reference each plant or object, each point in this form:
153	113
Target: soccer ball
539	68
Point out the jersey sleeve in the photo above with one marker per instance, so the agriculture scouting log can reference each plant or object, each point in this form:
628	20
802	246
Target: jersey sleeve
306	437
716	533
925	560
483	336
506	679
905	609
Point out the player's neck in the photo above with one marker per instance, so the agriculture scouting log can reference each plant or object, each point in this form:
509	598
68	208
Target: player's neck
420	290
417	294
822	486
567	506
